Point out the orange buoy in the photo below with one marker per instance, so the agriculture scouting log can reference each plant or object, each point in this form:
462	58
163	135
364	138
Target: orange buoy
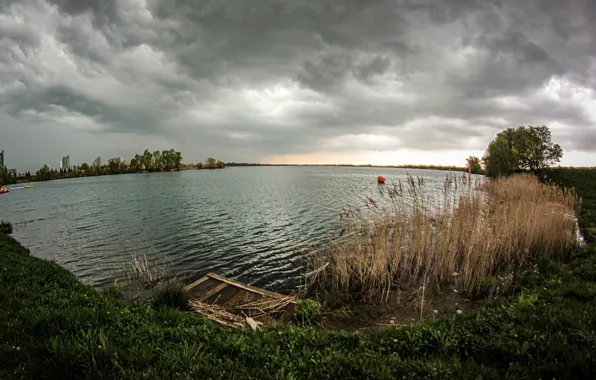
381	179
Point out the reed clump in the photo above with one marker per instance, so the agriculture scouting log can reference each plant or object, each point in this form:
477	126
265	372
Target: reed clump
465	232
145	272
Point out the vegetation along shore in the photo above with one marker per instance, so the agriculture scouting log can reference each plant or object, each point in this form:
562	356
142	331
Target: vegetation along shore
56	327
510	246
157	161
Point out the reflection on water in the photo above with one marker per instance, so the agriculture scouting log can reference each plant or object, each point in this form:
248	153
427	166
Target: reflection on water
250	223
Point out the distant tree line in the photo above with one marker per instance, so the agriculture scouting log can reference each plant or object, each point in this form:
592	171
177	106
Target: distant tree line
157	161
243	164
211	163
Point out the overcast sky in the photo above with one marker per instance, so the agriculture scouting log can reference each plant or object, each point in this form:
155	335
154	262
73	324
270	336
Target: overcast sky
293	81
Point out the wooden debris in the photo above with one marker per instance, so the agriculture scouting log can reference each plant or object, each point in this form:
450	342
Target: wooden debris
217	314
252	323
232	303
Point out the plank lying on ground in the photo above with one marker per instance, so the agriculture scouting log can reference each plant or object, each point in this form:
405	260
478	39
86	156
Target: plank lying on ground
213	291
247	287
196	283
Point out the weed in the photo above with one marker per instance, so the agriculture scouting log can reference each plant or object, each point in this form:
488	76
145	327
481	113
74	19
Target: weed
526	298
171	294
307	312
113	290
5	227
141	270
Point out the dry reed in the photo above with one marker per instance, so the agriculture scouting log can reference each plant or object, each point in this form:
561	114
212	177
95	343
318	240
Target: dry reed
466	232
144	271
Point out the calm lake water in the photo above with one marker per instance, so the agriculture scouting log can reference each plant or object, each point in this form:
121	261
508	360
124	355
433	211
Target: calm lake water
250	223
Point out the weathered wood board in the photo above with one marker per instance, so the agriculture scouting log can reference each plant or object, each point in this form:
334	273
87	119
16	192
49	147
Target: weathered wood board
232	295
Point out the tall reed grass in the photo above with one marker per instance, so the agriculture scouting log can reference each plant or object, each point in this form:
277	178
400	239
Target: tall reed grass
145	272
466	232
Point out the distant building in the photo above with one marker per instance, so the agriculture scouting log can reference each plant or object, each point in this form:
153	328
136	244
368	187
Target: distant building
2	168
65	163
4	171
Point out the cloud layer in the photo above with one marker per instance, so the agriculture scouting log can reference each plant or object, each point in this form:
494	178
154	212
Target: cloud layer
260	80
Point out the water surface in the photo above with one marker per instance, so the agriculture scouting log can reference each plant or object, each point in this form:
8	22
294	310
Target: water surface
249	223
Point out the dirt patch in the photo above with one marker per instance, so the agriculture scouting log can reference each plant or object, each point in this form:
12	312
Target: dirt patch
351	313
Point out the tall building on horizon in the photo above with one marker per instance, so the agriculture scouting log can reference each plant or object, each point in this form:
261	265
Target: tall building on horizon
1	164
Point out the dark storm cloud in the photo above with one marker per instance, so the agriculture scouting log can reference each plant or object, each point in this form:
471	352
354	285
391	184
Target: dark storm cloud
277	76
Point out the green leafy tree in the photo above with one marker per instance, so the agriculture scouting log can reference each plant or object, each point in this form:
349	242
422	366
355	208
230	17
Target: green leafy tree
177	158
210	163
85	167
114	165
171	159
518	149
44	173
147	159
124	166
474	165
166	160
200	165
135	164
220	164
157	161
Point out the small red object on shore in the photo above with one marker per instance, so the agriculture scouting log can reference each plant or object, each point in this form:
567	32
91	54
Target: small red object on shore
381	179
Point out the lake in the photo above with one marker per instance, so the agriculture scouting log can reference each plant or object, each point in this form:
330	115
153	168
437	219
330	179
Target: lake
250	223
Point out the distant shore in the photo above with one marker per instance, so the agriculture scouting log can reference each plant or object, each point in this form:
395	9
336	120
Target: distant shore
424	167
183	167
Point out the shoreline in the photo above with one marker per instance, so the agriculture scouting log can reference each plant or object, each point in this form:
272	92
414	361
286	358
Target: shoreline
186	167
62	328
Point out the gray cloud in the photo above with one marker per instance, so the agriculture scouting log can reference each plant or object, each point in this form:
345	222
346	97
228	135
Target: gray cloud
251	79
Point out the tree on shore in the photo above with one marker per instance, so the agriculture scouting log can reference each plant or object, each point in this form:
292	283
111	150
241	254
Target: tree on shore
519	149
210	163
136	164
157	161
146	159
473	165
114	165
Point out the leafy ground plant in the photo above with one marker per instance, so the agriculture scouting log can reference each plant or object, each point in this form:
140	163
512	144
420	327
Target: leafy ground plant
5	227
307	312
171	294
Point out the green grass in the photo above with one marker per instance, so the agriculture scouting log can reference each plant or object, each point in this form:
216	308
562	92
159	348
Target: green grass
62	329
171	294
584	182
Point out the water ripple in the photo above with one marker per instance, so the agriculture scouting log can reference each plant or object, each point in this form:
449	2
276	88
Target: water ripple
253	224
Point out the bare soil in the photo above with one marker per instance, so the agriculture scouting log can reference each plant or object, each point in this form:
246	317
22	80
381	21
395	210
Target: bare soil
351	313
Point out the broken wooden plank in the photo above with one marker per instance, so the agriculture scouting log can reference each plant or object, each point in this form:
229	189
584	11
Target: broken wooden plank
242	297
250	288
224	296
196	283
213	291
205	286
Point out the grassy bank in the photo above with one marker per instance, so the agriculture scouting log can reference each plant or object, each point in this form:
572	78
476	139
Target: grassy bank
52	326
584	182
